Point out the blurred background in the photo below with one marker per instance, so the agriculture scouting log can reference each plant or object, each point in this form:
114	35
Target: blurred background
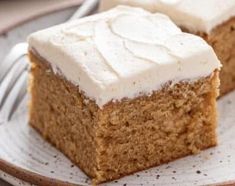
19	18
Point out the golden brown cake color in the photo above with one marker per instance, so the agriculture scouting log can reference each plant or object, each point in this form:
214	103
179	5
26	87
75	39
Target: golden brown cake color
127	136
222	39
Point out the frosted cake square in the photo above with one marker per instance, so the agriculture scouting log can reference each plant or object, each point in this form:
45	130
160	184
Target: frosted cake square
213	20
122	91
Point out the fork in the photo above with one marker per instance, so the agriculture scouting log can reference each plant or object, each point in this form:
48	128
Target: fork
13	70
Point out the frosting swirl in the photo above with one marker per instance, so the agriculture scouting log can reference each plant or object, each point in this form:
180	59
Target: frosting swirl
123	53
195	15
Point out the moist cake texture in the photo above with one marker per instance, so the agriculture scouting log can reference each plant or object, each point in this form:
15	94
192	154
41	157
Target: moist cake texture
123	91
214	20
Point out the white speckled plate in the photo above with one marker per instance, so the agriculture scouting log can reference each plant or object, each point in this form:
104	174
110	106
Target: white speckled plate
24	155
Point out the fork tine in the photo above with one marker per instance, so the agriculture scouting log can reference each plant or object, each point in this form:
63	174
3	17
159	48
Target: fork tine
85	9
21	95
14	97
17	52
10	79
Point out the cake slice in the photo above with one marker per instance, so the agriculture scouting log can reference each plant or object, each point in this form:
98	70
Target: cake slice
123	91
213	20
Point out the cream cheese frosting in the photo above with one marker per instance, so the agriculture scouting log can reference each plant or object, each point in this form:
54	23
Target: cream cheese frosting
195	15
123	53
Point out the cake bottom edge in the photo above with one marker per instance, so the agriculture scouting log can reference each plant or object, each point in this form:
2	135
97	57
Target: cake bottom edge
96	182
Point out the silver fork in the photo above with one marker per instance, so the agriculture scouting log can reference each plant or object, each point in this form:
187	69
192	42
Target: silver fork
13	70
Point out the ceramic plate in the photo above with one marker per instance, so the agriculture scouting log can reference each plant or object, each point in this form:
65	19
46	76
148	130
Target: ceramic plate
24	155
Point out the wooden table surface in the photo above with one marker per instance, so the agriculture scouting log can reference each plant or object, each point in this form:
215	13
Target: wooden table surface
19	34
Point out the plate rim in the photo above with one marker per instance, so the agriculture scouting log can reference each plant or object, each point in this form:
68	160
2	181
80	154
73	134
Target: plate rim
31	177
40	180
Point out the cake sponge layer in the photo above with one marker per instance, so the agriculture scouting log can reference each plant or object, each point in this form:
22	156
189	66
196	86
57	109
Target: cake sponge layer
127	136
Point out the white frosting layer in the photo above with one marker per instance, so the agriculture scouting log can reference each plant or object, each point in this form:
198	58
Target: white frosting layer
195	15
123	53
